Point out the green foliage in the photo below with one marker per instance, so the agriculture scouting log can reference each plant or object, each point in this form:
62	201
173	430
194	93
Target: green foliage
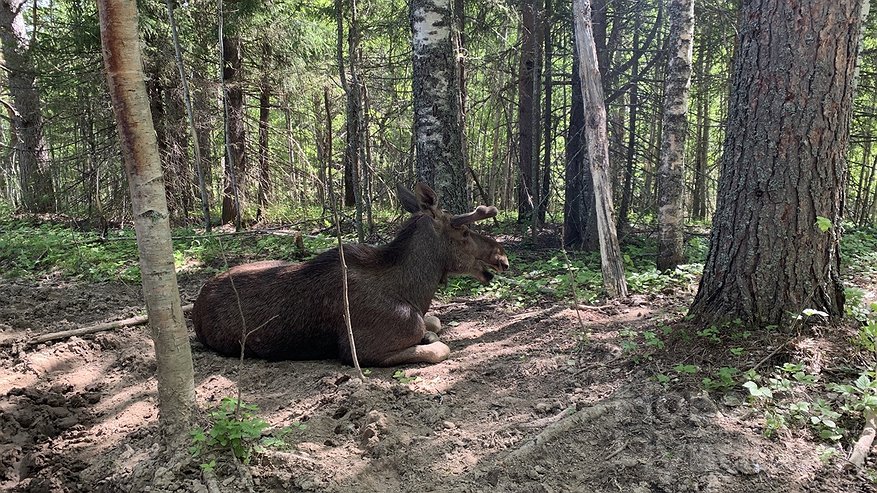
400	376
241	435
823	223
723	379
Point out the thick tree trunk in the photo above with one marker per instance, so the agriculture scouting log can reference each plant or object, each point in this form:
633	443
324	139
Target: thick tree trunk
783	165
598	151
437	114
37	191
526	131
176	390
677	87
579	214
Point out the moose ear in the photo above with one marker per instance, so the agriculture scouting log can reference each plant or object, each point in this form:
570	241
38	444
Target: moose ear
408	200
425	196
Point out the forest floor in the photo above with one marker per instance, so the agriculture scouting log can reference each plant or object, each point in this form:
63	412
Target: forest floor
532	399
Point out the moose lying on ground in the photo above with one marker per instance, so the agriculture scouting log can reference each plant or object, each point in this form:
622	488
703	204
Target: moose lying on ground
295	311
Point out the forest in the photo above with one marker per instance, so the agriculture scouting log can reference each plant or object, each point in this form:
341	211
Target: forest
436	245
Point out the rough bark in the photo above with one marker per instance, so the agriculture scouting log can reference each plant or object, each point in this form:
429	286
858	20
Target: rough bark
526	130
783	165
235	131
677	86
122	61
437	114
598	151
37	191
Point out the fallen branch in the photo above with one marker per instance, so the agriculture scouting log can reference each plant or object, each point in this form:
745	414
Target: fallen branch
863	445
118	324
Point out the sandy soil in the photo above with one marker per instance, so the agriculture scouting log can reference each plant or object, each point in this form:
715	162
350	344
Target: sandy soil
525	404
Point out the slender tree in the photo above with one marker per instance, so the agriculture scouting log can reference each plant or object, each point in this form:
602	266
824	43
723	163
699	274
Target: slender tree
31	151
598	150
677	86
438	129
125	78
774	247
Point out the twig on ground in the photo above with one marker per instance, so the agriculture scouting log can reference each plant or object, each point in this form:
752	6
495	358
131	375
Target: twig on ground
615	452
118	324
863	444
771	355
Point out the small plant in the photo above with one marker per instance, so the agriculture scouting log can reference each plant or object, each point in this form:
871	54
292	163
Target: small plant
686	369
400	376
241	435
723	379
737	351
711	334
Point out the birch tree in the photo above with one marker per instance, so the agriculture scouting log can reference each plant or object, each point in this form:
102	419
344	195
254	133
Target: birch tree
598	150
677	86
125	78
438	118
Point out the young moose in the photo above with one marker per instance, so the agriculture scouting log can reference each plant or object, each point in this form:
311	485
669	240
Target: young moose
295	311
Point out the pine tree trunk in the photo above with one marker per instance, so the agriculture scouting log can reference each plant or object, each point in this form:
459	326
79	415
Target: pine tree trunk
235	131
264	114
677	87
437	114
526	72
37	190
598	151
176	391
783	165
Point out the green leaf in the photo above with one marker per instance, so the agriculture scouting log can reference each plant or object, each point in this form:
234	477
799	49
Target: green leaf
823	223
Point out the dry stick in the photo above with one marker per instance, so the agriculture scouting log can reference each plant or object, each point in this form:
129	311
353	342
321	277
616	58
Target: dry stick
863	444
128	322
244	334
340	245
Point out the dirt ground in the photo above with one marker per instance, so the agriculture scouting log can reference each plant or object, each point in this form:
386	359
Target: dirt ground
526	403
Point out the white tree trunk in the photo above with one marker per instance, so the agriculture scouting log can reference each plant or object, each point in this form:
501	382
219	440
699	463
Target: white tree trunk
598	150
438	119
677	86
121	51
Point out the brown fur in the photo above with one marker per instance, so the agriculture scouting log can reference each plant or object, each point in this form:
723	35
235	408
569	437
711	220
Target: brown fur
295	311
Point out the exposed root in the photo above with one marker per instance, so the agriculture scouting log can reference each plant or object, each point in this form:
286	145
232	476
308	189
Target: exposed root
128	322
579	418
863	445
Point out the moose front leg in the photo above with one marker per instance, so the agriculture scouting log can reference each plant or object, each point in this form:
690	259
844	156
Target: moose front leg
435	352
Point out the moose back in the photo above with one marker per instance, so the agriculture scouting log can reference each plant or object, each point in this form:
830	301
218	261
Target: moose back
295	311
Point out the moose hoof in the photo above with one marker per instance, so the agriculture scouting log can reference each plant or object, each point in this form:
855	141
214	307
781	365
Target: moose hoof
429	338
437	352
433	324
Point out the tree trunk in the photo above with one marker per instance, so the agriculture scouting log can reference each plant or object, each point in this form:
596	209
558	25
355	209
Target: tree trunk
627	187
437	114
579	214
548	23
677	87
598	151
783	166
698	198
526	131
190	114
264	114
176	386
37	190
235	131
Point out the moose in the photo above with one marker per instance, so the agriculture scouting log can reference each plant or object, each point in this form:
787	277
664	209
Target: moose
294	311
